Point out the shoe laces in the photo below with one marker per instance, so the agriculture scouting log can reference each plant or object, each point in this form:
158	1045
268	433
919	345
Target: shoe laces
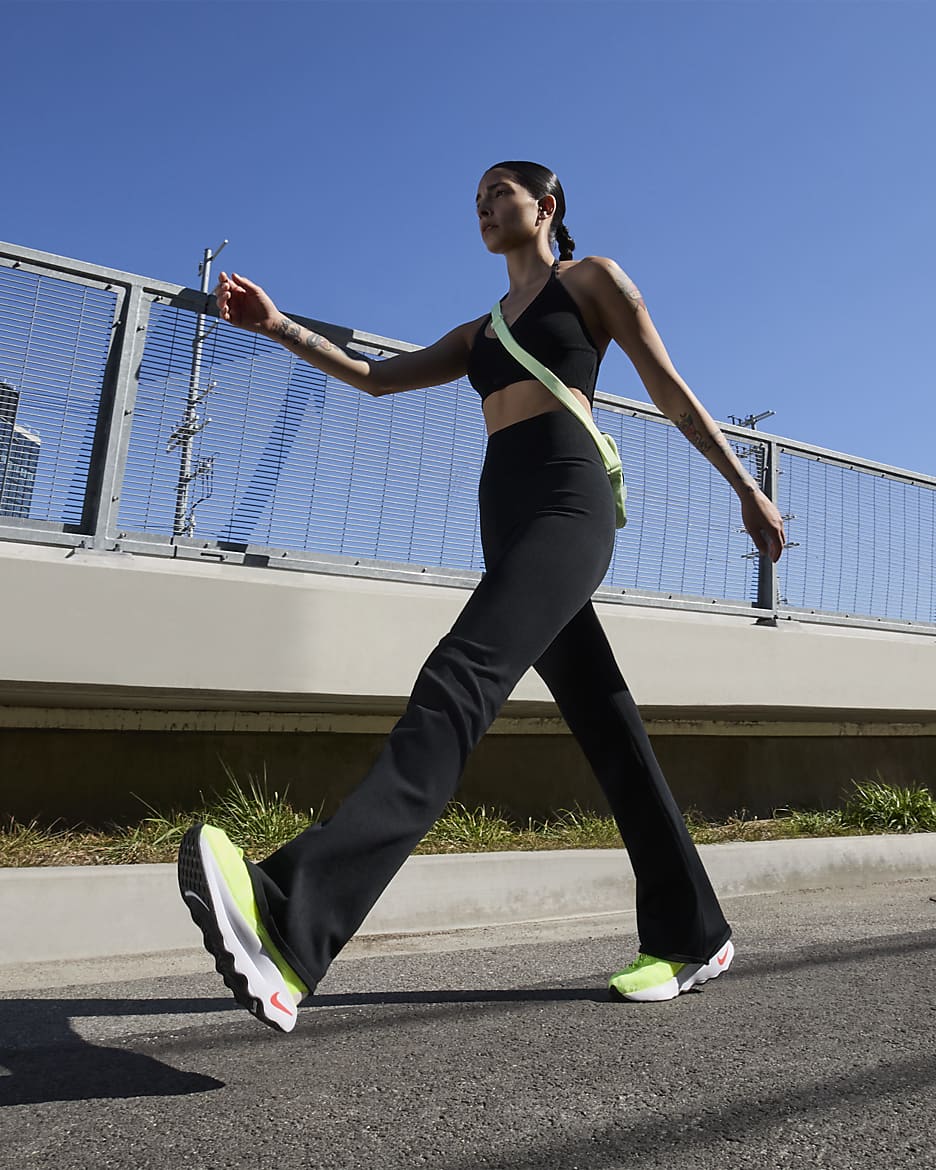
642	961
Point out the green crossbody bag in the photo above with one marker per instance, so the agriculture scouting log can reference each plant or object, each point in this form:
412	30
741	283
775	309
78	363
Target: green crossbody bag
605	443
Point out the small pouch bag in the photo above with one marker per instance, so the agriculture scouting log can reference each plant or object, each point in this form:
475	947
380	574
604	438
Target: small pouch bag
605	443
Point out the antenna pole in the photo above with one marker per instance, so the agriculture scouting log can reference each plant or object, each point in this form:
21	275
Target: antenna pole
184	434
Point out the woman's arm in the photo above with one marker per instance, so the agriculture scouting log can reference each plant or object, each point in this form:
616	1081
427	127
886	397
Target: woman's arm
245	304
625	318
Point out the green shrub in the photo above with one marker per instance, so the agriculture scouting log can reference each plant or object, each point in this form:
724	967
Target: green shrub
876	806
257	820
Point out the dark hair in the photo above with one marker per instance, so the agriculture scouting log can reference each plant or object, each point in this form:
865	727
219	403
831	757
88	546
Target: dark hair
540	181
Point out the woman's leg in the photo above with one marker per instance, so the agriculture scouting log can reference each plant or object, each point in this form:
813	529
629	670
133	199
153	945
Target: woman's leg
678	916
546	555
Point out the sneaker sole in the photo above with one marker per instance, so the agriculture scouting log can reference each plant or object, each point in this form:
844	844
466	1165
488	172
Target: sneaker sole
692	975
239	957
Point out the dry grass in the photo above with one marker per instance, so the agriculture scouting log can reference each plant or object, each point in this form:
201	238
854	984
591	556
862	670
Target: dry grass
261	821
58	845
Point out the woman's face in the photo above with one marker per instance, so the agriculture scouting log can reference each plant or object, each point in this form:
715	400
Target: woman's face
507	212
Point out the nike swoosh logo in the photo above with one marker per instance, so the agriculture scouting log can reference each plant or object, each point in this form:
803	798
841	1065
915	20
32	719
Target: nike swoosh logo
192	894
723	958
275	1001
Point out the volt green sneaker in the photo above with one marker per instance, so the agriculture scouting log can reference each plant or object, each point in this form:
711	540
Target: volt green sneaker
215	885
650	980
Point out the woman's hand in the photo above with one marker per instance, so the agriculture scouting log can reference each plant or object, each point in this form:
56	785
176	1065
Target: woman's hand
245	304
763	523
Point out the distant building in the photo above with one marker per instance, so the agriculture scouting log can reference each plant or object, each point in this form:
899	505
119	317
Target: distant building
19	457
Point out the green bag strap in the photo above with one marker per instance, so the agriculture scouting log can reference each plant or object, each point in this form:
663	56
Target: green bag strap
608	450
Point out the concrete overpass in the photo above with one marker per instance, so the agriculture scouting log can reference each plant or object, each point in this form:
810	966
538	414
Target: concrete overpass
125	676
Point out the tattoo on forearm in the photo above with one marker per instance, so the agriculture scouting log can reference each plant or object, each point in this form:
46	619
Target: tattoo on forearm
687	424
628	288
291	332
706	443
316	341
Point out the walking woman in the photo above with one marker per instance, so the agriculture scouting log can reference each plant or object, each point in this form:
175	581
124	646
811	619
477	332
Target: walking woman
548	518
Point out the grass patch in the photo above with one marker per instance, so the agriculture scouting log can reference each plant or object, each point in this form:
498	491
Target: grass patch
741	826
253	817
463	830
260	821
877	807
825	823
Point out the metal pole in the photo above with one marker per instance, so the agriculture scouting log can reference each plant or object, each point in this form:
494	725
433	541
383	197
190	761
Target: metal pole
767	592
184	524
9	403
115	417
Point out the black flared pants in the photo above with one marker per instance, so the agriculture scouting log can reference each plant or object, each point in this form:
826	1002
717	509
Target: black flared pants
547	530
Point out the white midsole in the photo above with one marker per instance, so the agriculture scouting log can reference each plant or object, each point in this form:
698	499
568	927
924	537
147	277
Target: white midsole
710	970
243	944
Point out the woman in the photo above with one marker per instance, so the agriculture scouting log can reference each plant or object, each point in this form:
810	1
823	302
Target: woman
547	528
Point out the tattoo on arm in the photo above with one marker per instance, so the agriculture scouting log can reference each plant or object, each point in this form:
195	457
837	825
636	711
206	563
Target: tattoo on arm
687	424
289	331
630	290
316	341
706	443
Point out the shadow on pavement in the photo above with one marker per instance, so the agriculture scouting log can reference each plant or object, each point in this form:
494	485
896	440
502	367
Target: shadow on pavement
682	1139
524	995
43	1059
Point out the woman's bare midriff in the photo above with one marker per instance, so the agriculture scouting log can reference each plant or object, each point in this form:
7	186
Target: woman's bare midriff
522	400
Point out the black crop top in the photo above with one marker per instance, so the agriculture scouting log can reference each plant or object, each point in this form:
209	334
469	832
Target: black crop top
553	330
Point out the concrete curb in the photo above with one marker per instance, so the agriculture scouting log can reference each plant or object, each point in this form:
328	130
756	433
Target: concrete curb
86	912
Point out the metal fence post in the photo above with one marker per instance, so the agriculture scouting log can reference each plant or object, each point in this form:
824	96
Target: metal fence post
767	591
115	416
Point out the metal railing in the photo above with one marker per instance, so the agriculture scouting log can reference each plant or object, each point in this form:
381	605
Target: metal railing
285	467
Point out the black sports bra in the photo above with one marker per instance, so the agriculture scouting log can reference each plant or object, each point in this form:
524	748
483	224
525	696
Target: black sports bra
553	330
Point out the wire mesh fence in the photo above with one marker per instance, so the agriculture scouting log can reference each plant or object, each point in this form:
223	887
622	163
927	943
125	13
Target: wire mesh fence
294	459
684	533
236	442
54	339
864	540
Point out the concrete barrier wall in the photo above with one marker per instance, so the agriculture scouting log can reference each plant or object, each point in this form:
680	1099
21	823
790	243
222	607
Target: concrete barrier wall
145	625
126	678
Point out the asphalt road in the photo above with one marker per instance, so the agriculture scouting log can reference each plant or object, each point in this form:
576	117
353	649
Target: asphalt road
499	1048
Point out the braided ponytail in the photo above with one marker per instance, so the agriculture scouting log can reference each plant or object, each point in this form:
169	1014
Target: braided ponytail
565	242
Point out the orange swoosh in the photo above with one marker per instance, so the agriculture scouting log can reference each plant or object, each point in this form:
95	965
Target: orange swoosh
723	958
275	1001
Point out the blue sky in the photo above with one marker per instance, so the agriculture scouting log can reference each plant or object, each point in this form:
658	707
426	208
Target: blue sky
764	170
